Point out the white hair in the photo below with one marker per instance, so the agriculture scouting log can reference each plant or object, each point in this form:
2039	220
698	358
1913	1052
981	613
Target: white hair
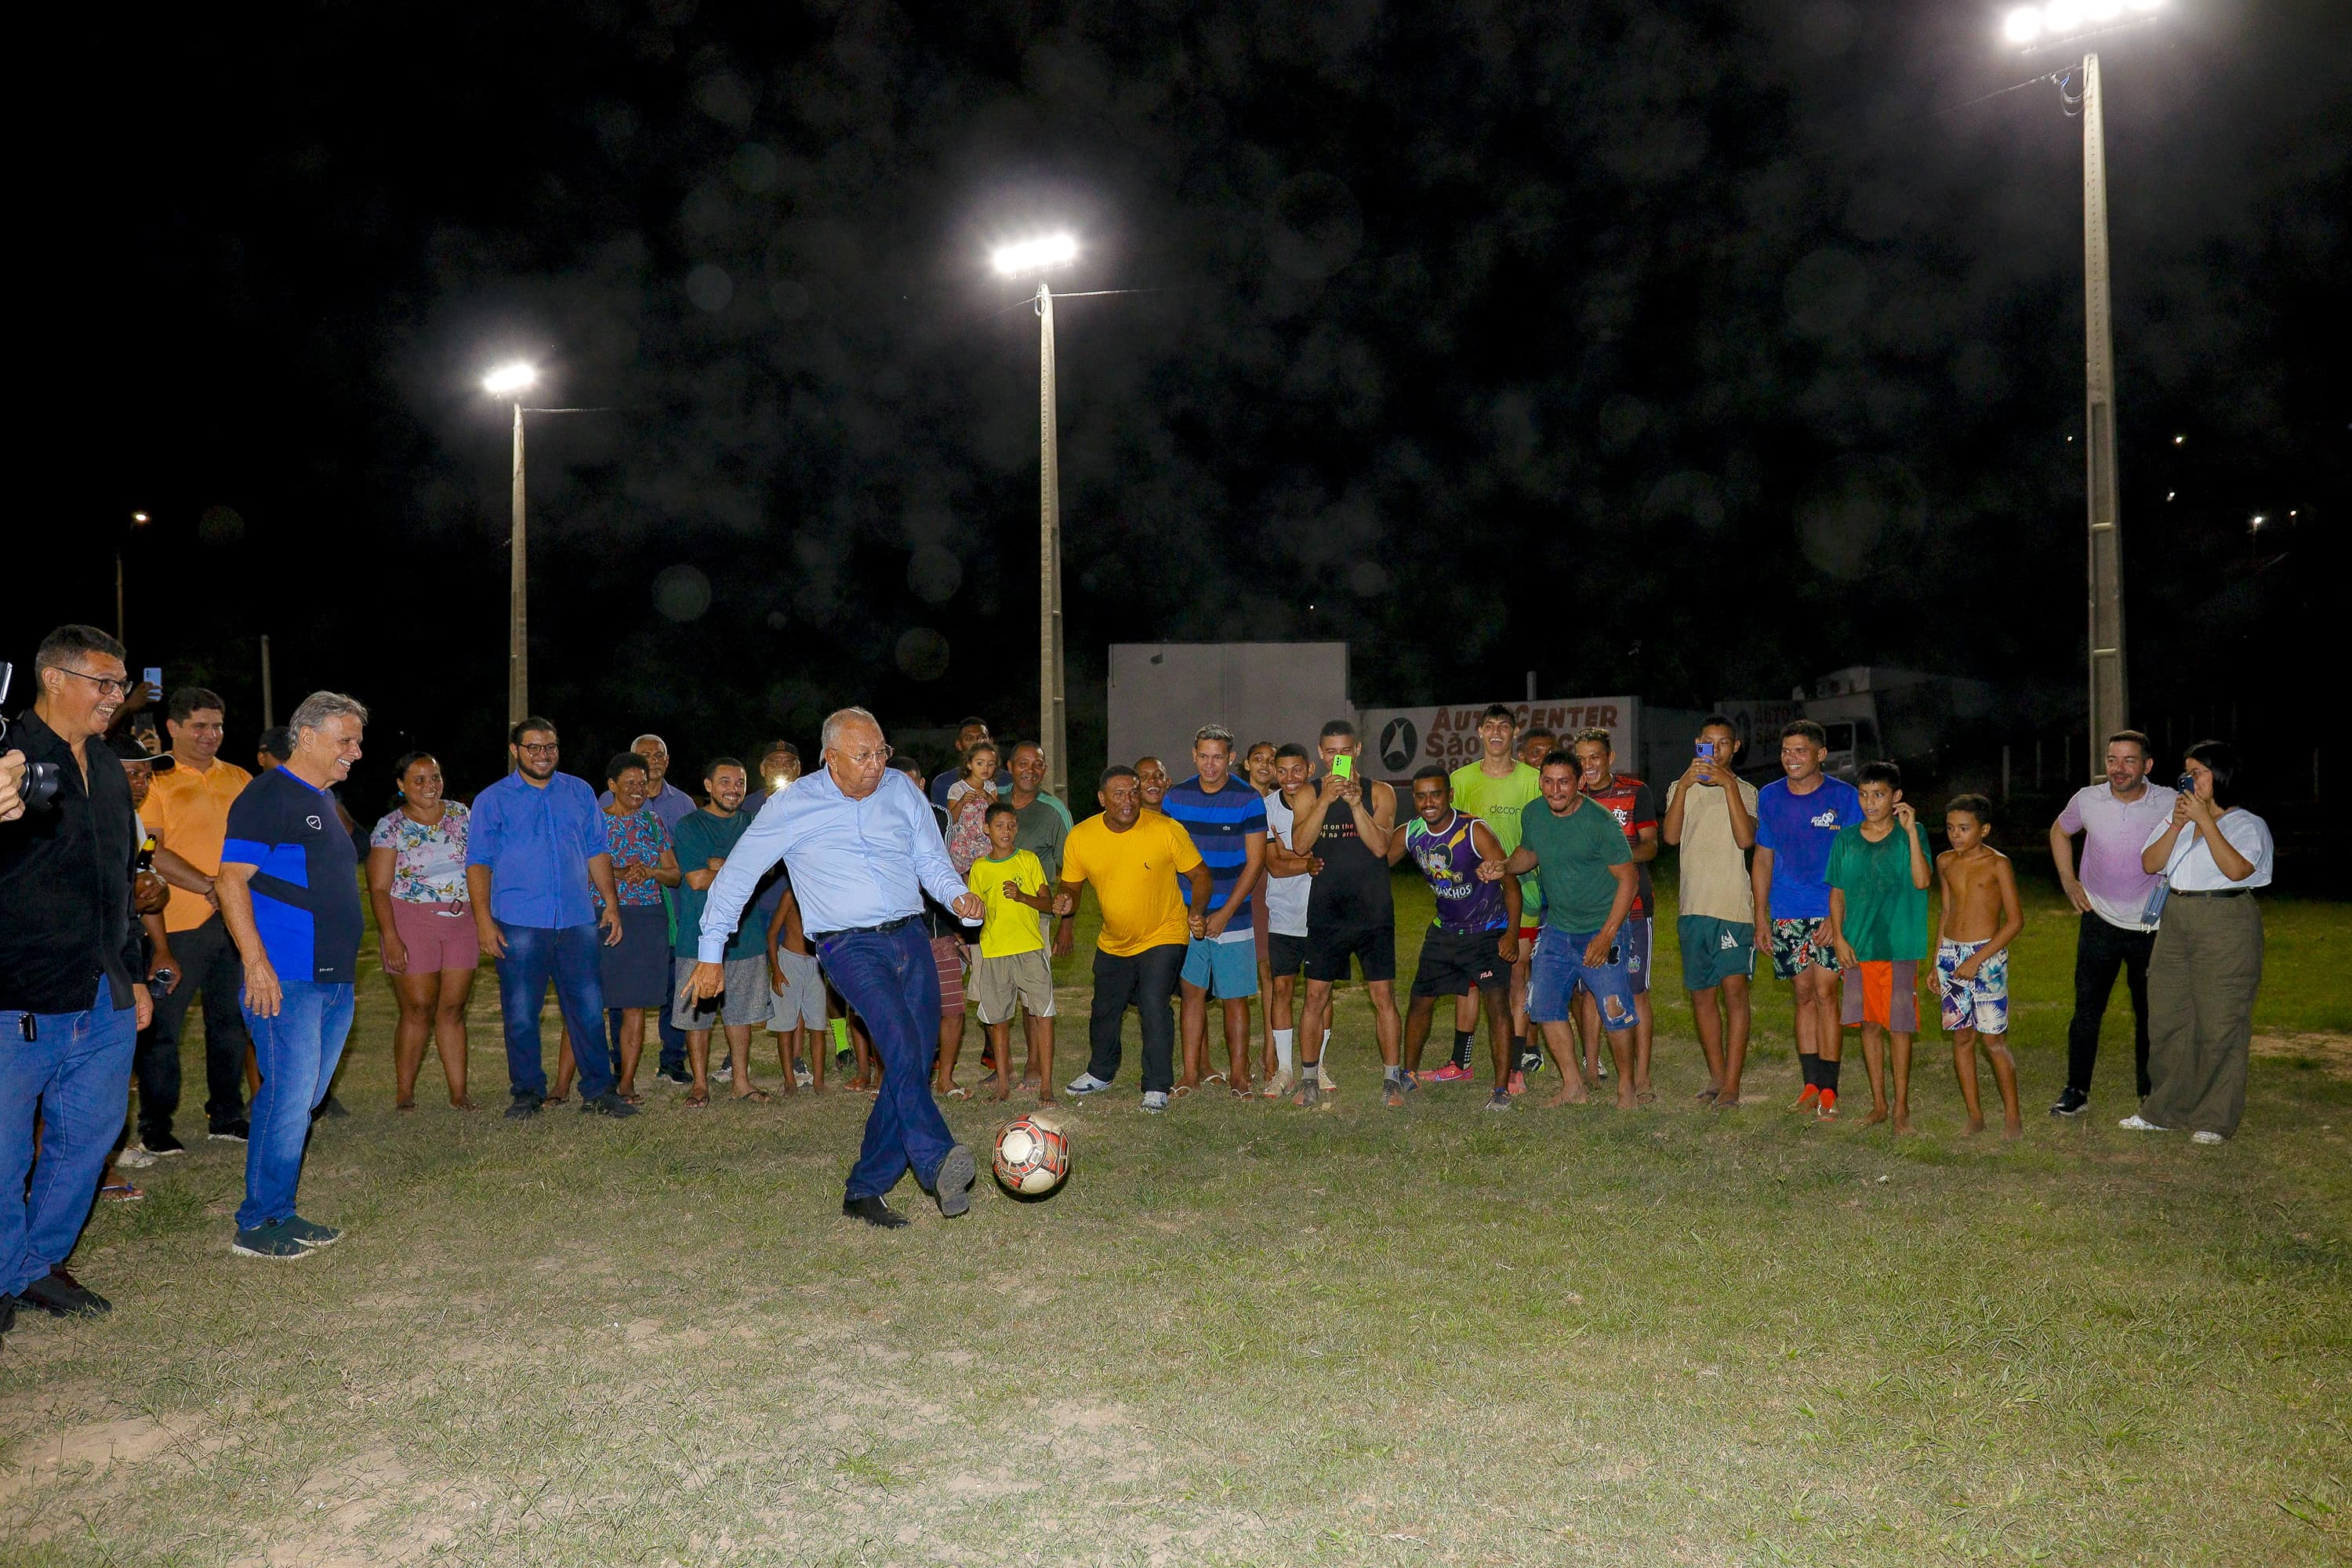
839	718
643	739
321	706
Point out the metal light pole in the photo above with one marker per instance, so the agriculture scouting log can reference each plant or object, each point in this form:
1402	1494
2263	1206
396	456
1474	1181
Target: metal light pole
2109	694
1053	696
137	520
518	596
1052	691
2037	26
512	380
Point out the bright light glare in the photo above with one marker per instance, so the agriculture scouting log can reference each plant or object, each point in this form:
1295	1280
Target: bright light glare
2031	23
1035	254
2024	25
2144	5
137	517
510	378
2062	15
2103	10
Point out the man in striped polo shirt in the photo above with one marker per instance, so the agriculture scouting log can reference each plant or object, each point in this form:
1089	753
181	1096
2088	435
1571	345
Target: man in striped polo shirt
1226	820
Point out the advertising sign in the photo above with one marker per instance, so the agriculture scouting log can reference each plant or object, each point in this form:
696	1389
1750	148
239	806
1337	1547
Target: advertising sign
1399	740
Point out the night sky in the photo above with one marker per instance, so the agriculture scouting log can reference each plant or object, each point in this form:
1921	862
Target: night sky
1690	351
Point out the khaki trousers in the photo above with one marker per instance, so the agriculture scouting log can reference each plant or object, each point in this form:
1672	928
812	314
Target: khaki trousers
2201	979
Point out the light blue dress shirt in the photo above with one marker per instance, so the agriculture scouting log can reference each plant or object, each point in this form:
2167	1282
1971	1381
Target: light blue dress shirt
854	863
537	840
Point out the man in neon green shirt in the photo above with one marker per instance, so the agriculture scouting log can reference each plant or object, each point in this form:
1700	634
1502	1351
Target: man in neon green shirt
1495	789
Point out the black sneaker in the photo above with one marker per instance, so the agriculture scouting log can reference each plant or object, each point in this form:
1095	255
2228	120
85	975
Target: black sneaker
874	1212
328	1107
676	1077
237	1132
2072	1103
1532	1060
61	1295
272	1240
952	1185
608	1104
310	1233
523	1109
162	1143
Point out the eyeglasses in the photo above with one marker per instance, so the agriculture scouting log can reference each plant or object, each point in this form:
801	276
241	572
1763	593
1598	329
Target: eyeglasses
867	759
108	685
537	749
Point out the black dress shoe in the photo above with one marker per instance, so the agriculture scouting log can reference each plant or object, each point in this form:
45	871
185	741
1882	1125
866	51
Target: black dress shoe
608	1104
523	1109
237	1132
874	1212
328	1107
61	1295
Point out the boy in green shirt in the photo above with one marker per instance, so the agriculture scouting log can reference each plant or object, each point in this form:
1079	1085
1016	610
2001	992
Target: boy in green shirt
1879	871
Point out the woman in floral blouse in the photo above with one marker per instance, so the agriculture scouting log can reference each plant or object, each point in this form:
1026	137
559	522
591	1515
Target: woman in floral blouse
636	968
416	881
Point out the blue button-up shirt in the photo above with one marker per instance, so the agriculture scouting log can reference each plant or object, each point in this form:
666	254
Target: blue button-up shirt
854	863
537	840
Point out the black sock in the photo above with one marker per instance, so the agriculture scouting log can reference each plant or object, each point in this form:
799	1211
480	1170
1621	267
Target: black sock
1463	1040
1811	1064
1830	1075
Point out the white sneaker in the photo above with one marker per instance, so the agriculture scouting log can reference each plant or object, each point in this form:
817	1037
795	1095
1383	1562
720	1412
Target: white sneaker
1087	1083
723	1073
2207	1138
135	1155
1323	1076
2138	1123
1281	1083
1154	1100
801	1077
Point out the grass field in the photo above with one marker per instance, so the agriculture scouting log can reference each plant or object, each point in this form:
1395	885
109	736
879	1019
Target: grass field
1245	1333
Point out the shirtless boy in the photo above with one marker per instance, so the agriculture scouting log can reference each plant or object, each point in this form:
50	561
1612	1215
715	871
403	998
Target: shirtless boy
1981	917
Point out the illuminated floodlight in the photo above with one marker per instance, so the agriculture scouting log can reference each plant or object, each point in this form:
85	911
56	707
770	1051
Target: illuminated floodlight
510	378
138	519
2102	10
2023	26
1035	254
2034	23
2061	16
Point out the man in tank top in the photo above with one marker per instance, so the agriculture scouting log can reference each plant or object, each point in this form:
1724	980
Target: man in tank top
1346	822
1475	940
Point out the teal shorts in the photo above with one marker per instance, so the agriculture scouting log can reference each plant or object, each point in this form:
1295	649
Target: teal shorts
1225	970
1715	951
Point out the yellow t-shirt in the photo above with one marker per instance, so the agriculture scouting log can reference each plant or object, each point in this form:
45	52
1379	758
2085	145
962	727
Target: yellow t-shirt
1010	927
188	812
1134	875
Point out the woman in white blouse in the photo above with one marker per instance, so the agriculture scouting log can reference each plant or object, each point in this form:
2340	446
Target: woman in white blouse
2208	960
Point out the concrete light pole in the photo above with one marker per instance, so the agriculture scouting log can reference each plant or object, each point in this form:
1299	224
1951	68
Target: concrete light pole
1053	692
511	381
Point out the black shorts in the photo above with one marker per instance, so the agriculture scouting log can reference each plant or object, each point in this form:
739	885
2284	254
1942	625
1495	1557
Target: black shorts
1371	943
1452	962
1284	955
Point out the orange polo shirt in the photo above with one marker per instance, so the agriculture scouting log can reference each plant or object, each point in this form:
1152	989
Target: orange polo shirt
188	812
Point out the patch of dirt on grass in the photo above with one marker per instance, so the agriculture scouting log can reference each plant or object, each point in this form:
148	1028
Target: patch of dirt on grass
89	1451
2331	1052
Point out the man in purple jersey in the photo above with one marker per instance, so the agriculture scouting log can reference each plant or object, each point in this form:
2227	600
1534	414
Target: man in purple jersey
1475	940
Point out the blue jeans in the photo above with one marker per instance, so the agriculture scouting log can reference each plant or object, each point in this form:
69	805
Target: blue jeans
893	983
297	1052
1557	968
568	955
77	1077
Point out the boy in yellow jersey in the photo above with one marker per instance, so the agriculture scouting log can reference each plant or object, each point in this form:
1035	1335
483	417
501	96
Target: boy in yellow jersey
1495	789
1012	973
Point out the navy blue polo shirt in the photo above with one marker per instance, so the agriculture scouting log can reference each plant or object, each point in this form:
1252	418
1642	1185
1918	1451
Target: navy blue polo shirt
305	885
1223	826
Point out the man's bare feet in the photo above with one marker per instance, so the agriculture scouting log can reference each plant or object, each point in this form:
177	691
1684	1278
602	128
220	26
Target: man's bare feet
1046	1097
1628	1100
1903	1127
1568	1094
461	1104
1975	1126
2011	1127
1877	1114
999	1089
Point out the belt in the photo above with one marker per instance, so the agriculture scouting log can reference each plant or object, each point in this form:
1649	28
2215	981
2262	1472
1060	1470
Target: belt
2211	892
885	929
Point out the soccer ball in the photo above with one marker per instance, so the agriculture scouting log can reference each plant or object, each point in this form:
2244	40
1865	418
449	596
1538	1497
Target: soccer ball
1032	1156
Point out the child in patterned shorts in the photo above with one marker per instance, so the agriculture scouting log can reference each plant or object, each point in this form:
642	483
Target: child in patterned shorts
1981	917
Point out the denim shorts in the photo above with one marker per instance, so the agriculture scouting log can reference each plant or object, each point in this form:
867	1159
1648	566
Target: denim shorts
1558	968
1225	970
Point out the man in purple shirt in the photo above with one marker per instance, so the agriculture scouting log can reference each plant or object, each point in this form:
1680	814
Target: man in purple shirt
535	845
2115	818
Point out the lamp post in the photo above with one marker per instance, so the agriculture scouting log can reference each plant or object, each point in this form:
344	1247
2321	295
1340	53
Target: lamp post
2041	26
139	520
513	381
1026	258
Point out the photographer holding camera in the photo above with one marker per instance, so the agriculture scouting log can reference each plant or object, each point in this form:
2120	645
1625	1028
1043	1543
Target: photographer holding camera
72	997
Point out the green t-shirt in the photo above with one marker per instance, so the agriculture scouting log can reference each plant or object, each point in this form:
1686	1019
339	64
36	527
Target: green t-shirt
1574	854
699	836
1499	804
1885	916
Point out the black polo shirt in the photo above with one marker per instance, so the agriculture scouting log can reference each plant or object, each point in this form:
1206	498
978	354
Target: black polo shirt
65	882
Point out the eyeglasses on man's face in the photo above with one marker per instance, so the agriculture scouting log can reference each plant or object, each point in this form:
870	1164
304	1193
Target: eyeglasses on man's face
108	685
867	759
538	747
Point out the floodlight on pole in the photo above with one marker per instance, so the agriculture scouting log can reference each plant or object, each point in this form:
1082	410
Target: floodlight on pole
1026	259
1035	254
509	379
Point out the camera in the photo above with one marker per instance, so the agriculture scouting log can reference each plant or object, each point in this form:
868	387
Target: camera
40	786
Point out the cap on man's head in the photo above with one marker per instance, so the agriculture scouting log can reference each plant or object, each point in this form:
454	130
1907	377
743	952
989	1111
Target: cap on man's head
125	744
277	741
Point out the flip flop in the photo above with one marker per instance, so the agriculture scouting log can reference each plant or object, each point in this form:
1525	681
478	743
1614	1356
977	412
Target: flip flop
758	1096
698	1101
1707	1096
959	1092
1214	1077
122	1192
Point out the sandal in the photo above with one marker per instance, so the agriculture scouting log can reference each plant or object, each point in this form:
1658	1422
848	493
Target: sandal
958	1092
122	1192
700	1101
1707	1096
758	1096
